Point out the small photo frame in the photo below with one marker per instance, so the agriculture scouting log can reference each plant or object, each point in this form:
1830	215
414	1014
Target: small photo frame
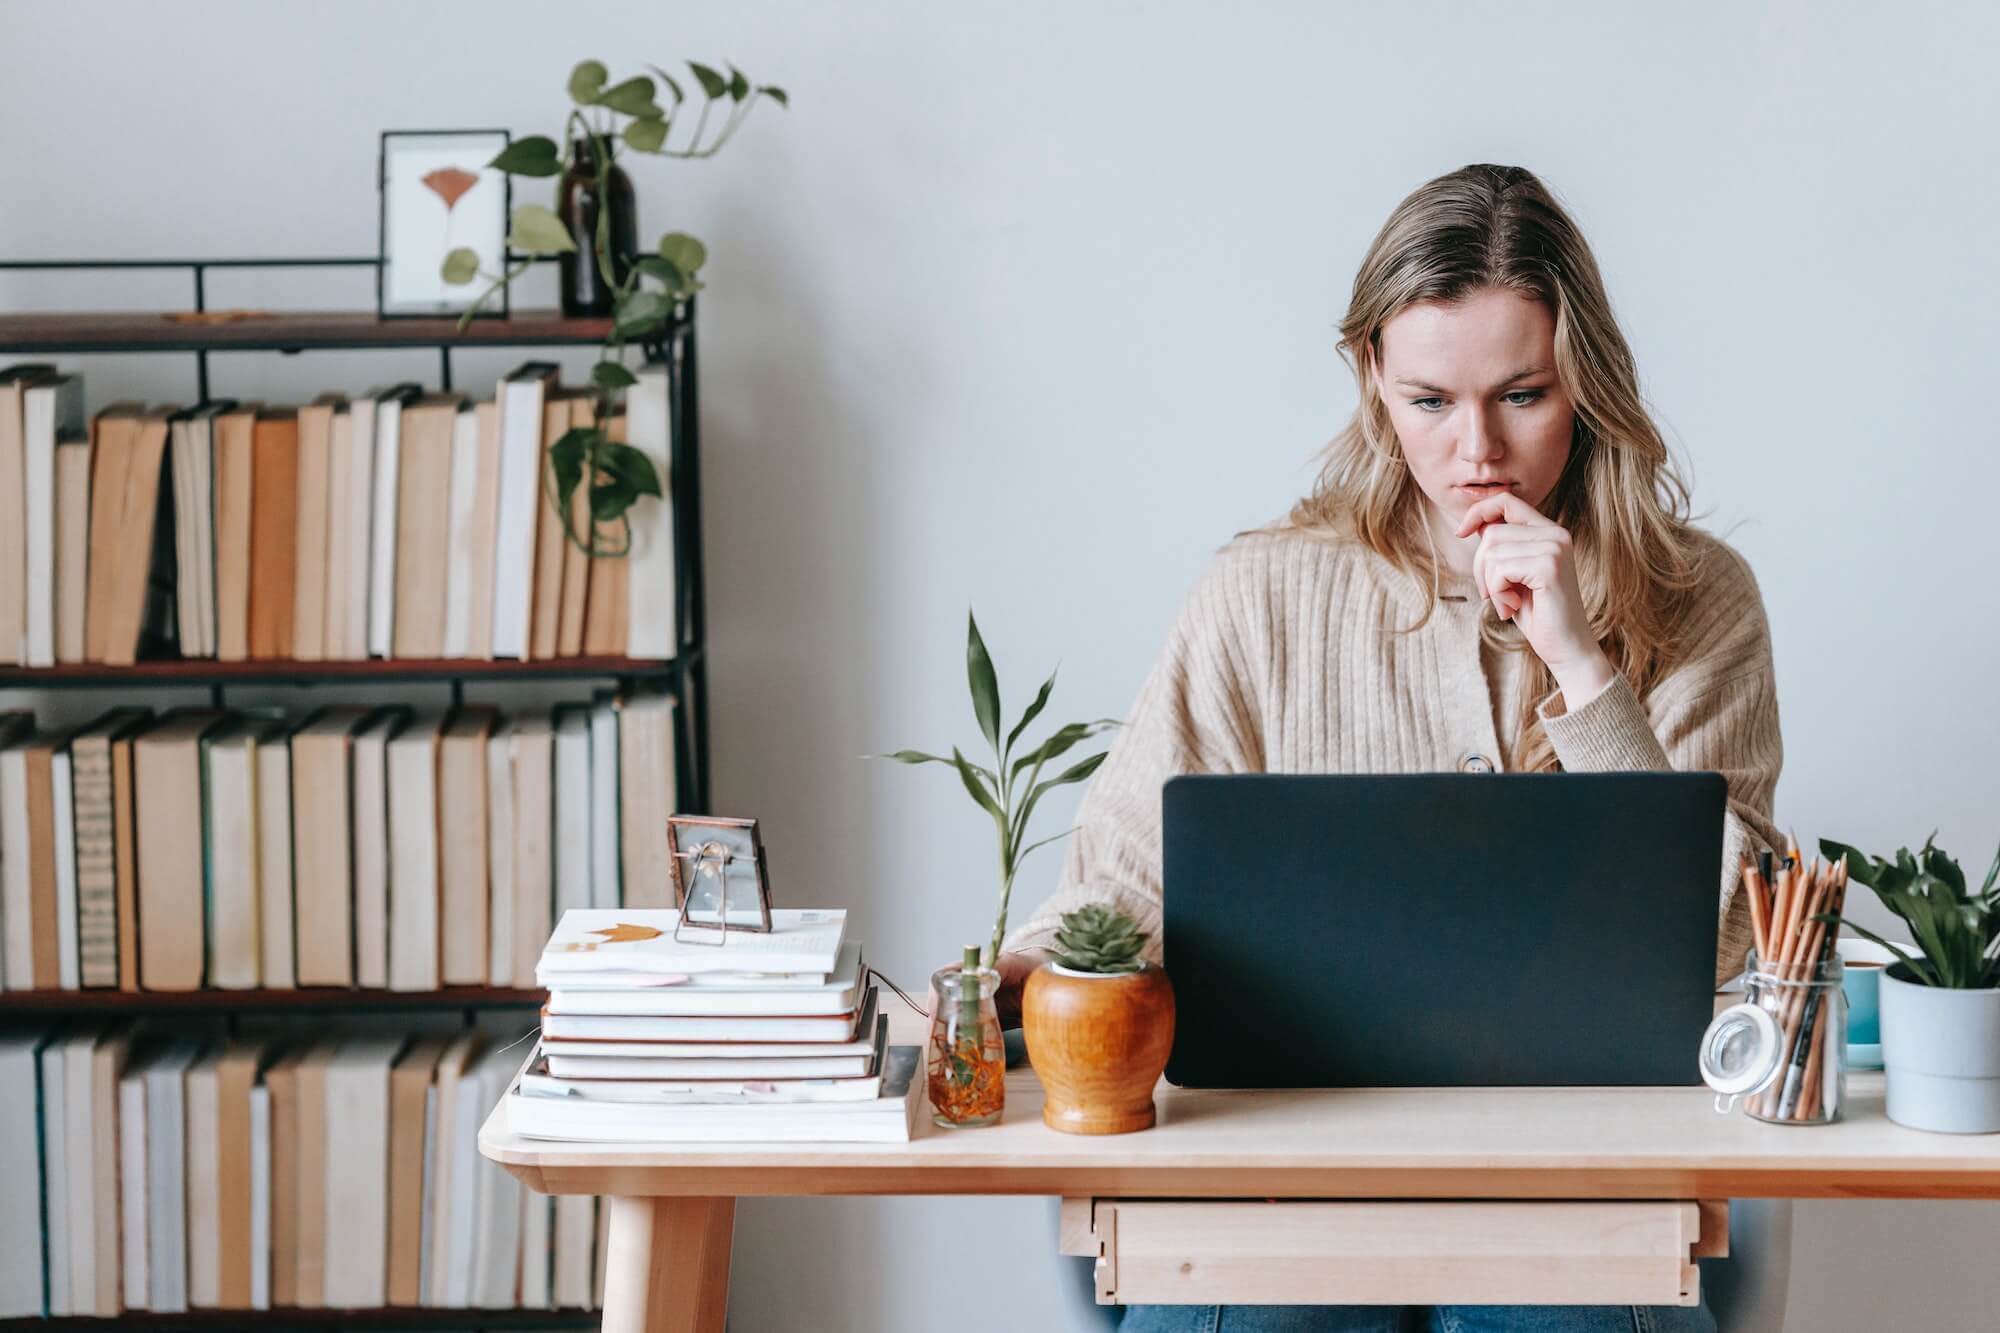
721	875
438	194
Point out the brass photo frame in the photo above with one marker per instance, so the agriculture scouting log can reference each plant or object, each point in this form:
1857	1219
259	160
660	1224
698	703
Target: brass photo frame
716	863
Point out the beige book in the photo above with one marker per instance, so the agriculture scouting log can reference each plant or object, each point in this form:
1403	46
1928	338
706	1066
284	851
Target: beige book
309	570
409	1089
576	561
172	889
107	1066
72	546
235	1079
545	615
412	840
235	935
274	533
357	1189
607	620
314	1164
423	524
484	533
500	854
603	1253
458	556
648	732
277	956
136	611
464	885
373	873
452	1066
234	433
43	921
14	513
282	1083
125	850
533	832
339	531
576	1249
653	625
322	861
113	431
203	1136
97	861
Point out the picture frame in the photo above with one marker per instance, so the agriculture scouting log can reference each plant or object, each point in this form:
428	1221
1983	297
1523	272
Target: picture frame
436	193
717	863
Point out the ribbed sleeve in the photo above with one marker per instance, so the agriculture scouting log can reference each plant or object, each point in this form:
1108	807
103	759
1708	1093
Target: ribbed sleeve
1286	658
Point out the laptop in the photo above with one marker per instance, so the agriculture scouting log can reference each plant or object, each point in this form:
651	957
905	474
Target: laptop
1441	929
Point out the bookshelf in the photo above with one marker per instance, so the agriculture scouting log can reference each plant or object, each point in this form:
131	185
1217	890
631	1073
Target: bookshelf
28	334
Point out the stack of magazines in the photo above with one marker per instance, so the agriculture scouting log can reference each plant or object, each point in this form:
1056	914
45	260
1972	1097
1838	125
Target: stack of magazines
656	1036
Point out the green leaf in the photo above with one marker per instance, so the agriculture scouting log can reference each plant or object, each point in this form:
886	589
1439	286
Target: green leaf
533	156
633	97
609	501
986	799
1022	855
566	457
640	310
670	277
537	231
919	757
460	266
1860	866
1059	742
985	684
646	134
777	95
612	375
1077	773
739	87
711	83
1034	711
629	467
1942	867
673	84
1992	875
586	81
684	252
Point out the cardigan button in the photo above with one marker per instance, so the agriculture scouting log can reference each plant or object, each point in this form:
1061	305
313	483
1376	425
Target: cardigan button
1475	763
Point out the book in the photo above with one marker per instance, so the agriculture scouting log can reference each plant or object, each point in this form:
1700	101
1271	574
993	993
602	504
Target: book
166	1176
193	446
357	1156
383	517
72	545
341	539
652	580
483	532
576	1251
423	525
21	1288
14	381
538	1220
97	862
570	798
314	1171
240	1140
279	964
281	1082
28	836
838	993
459	553
648	731
55	1174
606	624
230	851
606	886
259	1257
79	1138
464	886
702	1027
589	940
108	1060
450	1171
274	493
204	1182
719	1059
665	1088
890	1117
235	434
520	500
63	798
322	860
551	541
381	886
500	854
576	562
16	893
51	411
533	828
314	481
413	853
410	1081
172	812
496	1259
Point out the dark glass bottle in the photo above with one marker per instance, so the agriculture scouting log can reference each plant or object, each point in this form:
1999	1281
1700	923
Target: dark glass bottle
583	289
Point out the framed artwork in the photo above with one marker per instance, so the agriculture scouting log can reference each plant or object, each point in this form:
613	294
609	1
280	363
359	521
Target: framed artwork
721	876
438	194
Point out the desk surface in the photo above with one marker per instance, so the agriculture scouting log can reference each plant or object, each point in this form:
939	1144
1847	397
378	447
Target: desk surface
1512	1143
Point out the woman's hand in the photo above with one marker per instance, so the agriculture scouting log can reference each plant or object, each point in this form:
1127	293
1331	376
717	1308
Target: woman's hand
1014	969
1526	567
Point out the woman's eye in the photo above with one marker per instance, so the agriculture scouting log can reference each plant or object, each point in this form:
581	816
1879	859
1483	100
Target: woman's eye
1530	395
1425	404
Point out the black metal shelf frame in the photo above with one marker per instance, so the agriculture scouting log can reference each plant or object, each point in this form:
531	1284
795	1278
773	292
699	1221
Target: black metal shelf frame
686	673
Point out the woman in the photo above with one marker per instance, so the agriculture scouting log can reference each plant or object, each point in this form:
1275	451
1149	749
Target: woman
1495	570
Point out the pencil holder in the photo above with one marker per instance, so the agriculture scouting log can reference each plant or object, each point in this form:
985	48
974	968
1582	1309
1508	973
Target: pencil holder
1783	1050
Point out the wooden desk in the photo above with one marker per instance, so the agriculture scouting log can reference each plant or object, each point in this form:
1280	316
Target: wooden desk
672	1206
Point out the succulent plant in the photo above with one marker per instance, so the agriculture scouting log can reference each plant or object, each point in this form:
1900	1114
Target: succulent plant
1096	938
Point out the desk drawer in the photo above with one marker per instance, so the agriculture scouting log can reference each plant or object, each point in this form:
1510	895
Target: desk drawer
1390	1253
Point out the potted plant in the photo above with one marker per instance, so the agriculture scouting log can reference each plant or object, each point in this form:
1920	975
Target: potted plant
1941	1005
1099	1022
966	1057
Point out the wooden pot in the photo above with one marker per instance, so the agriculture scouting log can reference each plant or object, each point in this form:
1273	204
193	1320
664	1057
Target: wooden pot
1098	1044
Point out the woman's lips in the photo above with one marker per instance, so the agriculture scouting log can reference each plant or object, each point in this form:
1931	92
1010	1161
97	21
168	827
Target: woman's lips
1485	488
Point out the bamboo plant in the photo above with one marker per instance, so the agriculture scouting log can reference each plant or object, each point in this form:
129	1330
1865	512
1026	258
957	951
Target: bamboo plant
1957	932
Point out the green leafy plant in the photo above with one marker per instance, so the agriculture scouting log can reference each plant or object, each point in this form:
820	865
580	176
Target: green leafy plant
1096	938
646	296
1013	786
1958	932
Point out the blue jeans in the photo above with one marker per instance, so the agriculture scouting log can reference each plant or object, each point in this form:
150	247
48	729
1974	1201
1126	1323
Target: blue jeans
1418	1319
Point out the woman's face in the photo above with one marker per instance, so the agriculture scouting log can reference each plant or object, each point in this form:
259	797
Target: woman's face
1471	389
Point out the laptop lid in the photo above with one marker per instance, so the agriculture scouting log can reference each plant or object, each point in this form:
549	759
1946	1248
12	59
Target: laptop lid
1438	930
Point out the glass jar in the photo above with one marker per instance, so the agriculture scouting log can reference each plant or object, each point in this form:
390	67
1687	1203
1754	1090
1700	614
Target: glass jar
1783	1049
966	1063
584	291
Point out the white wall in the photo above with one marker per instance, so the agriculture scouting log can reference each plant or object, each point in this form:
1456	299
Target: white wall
1030	307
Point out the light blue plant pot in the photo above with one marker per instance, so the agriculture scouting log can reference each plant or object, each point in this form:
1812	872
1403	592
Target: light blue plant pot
1941	1050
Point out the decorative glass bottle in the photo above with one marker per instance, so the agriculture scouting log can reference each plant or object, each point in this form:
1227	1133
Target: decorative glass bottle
584	291
966	1064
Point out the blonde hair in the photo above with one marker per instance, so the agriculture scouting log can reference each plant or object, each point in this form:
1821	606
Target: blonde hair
1625	506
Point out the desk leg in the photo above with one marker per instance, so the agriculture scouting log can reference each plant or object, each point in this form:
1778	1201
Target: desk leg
667	1270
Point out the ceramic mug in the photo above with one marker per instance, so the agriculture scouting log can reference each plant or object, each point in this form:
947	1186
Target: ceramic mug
1863	961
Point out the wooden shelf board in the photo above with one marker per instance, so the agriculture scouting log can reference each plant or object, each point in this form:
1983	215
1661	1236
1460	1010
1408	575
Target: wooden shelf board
208	671
236	1001
203	1321
289	330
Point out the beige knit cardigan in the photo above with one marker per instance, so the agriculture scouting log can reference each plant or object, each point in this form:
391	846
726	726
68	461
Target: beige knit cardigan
1286	659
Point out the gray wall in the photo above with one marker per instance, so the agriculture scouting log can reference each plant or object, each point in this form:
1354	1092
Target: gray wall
1030	307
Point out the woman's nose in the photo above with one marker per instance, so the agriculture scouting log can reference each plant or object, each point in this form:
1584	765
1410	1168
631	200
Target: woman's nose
1478	442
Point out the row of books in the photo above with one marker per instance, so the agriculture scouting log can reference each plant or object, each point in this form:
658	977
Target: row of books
397	524
165	1171
360	846
660	1032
